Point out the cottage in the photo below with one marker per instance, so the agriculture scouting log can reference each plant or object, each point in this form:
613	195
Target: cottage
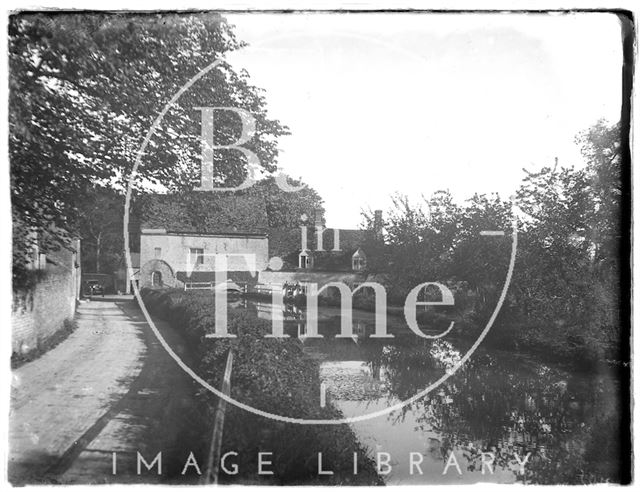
319	249
174	258
176	249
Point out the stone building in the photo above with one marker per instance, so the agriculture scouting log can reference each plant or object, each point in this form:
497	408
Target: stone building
325	249
176	249
321	255
173	258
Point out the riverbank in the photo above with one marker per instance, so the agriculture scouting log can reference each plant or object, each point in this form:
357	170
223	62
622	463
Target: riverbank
513	336
498	399
272	375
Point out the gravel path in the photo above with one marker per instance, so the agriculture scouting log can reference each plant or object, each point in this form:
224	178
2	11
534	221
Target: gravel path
108	388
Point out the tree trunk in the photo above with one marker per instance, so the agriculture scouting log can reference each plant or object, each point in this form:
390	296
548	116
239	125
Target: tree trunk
98	251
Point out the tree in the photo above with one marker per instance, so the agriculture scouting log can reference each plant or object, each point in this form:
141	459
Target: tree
263	206
420	240
84	90
480	260
601	149
285	208
100	226
567	275
565	292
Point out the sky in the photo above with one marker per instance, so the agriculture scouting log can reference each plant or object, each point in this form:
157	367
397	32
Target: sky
415	103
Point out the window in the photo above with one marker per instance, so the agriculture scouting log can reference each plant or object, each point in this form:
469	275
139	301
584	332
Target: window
305	260
359	263
158	252
359	260
197	256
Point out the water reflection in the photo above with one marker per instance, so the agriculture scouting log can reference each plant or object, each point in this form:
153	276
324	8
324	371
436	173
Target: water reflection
497	403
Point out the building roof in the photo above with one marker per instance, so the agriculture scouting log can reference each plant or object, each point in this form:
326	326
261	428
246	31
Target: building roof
359	254
350	239
191	233
205	213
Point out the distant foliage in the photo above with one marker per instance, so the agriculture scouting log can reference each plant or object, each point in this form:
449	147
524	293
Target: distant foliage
201	211
259	208
564	297
285	209
100	226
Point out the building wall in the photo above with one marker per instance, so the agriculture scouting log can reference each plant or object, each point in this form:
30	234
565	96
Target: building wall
174	250
320	278
39	312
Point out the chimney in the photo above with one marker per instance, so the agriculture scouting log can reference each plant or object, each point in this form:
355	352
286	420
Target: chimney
377	224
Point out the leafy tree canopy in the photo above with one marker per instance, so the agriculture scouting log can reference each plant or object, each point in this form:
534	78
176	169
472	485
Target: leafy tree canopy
85	89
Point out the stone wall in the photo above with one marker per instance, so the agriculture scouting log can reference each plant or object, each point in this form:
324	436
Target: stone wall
320	278
167	275
39	312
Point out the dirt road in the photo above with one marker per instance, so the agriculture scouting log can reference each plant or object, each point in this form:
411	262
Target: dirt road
109	388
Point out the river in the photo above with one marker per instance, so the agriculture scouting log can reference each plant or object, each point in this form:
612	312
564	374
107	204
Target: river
506	405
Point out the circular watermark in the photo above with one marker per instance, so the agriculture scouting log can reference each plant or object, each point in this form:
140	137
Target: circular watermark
292	420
